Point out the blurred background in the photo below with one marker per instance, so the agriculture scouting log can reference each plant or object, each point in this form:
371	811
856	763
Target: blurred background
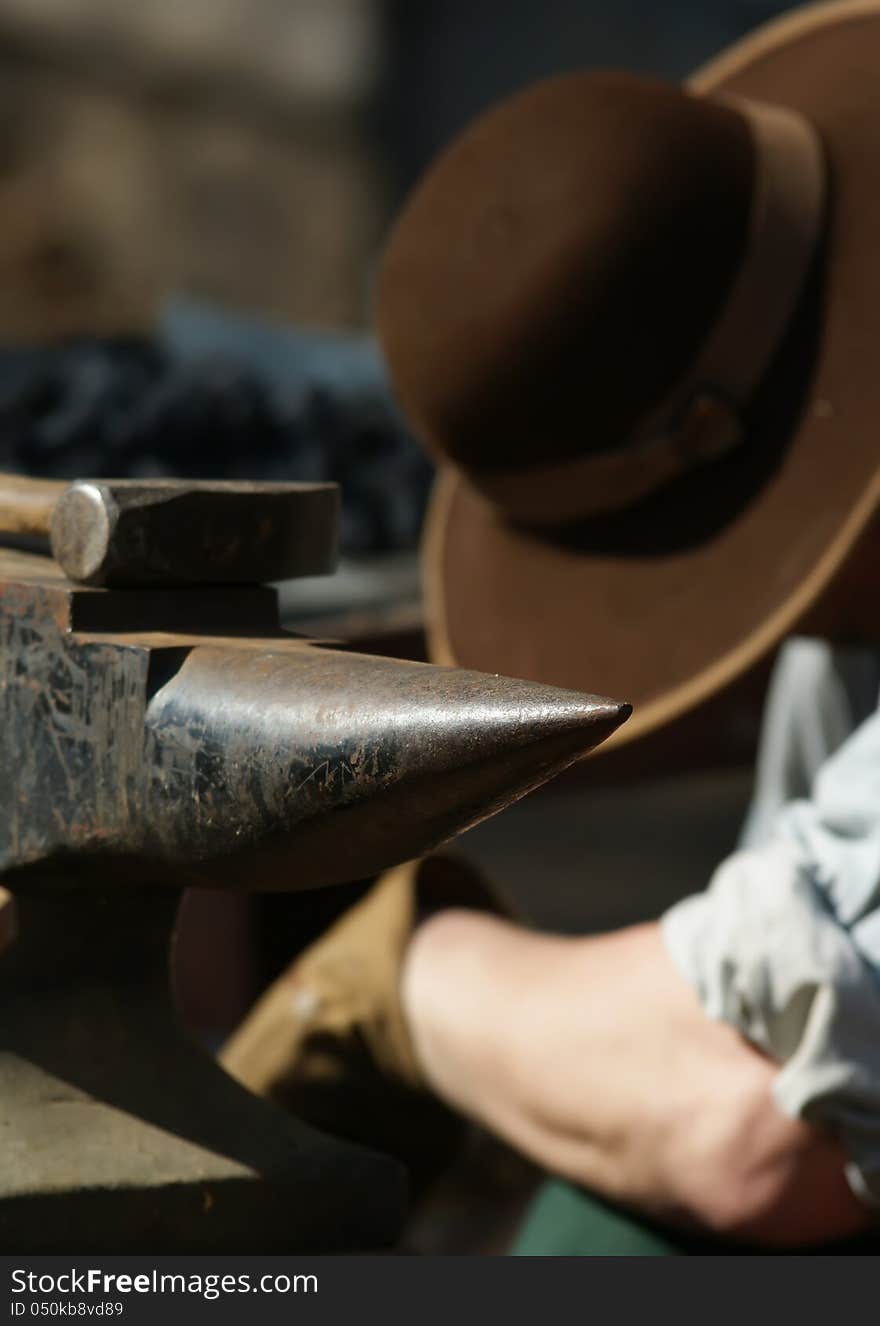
193	197
251	152
197	191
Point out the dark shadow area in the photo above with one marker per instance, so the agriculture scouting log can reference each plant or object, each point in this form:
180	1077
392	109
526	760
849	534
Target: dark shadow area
697	507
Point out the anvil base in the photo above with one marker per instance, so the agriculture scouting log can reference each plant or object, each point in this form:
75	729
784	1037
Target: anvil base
119	1135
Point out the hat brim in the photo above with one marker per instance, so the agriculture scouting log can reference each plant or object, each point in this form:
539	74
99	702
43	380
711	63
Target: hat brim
665	628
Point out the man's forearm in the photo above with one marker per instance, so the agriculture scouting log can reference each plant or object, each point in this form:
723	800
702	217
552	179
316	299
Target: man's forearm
594	1057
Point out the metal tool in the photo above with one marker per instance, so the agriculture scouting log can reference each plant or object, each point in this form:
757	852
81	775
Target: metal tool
176	531
256	760
137	757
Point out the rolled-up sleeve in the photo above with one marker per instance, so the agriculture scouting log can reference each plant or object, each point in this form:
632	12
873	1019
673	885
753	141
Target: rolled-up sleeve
785	945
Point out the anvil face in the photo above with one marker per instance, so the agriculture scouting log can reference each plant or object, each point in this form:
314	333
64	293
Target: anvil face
238	755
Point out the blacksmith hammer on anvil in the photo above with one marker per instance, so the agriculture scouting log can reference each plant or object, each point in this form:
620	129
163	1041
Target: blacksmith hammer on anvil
166	731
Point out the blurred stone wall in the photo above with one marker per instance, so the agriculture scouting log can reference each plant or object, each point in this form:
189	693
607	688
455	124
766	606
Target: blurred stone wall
211	146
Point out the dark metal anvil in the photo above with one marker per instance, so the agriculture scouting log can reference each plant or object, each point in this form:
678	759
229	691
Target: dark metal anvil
153	739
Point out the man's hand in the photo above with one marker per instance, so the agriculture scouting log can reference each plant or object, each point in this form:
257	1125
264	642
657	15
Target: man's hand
594	1057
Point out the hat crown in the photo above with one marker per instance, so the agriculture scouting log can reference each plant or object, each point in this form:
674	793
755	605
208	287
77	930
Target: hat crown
560	265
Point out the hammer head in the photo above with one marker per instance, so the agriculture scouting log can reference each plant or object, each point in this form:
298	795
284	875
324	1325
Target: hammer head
127	532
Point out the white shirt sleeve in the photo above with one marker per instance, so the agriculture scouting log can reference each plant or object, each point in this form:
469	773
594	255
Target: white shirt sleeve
785	942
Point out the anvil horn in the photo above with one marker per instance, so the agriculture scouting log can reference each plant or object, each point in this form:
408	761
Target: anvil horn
310	766
251	761
134	754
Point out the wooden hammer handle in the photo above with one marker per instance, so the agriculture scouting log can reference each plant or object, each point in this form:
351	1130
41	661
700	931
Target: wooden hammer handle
8	927
26	504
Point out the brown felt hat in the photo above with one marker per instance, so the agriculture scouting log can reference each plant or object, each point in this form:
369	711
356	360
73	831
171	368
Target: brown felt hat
638	325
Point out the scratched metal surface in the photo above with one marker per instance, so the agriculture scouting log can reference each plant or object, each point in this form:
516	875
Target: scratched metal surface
248	761
71	739
132	758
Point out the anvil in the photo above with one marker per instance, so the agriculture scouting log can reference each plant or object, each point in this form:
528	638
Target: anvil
152	739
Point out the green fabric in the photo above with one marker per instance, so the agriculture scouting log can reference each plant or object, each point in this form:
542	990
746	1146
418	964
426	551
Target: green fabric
564	1221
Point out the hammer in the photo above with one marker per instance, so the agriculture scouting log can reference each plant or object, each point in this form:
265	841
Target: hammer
126	532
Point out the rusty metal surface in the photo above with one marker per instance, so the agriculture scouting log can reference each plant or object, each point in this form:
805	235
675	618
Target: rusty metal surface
176	531
273	763
136	757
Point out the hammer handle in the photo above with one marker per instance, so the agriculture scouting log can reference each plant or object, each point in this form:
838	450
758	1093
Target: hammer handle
26	504
8	927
